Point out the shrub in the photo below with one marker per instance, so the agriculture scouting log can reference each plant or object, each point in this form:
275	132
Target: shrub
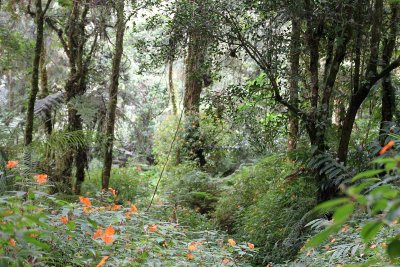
192	188
132	182
220	145
375	194
263	203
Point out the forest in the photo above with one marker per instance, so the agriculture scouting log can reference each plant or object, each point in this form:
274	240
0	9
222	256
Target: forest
199	133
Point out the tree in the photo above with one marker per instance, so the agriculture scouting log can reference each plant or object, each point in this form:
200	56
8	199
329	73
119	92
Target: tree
371	77
328	31
74	40
39	20
113	93
293	127
197	76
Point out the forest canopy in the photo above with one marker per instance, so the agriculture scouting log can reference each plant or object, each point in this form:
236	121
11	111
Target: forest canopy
199	133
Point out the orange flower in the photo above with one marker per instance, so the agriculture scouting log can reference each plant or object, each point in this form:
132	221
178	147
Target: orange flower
115	207
133	208
85	201
64	219
226	260
98	233
192	247
232	242
386	147
69	238
109	231
33	235
12	242
153	228
107	237
11	164
250	245
103	260
190	256
41	178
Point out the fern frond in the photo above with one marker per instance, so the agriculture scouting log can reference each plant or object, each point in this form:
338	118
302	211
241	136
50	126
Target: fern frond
326	165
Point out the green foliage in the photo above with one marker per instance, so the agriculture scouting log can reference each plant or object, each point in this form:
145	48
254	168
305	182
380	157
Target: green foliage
188	186
219	144
38	229
253	197
15	47
375	193
345	245
132	183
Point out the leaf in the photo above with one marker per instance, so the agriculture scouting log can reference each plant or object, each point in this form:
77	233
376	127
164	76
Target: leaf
322	236
36	242
370	230
394	249
93	223
71	225
330	204
343	213
369	173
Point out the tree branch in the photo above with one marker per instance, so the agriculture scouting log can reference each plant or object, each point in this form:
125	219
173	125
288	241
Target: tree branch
60	34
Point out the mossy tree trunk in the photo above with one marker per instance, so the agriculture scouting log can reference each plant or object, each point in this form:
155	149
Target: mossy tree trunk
44	87
293	127
39	20
113	94
197	45
74	39
171	86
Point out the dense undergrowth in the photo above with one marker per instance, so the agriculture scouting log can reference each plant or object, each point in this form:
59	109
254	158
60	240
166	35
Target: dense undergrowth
240	209
197	219
39	229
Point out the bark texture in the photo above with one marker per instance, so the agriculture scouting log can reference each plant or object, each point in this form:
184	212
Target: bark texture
293	127
171	86
39	19
113	94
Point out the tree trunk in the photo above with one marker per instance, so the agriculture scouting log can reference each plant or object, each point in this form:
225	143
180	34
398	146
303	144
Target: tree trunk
171	86
388	91
35	73
361	94
193	87
44	89
74	41
293	127
112	106
10	96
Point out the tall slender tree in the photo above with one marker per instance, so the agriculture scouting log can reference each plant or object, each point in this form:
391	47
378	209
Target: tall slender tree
113	93
39	21
293	127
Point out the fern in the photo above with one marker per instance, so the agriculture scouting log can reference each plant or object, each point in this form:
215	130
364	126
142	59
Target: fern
344	250
88	107
318	223
326	165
